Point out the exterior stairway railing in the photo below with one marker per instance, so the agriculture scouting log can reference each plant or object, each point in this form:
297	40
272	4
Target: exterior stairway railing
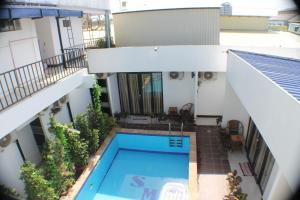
22	82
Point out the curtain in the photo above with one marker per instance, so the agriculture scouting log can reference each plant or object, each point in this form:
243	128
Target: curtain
157	93
134	93
147	93
123	91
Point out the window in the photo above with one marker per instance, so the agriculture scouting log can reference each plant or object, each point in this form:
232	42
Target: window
67	23
10	25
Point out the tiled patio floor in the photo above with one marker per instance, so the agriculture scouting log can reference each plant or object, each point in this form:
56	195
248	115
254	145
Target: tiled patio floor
213	164
211	156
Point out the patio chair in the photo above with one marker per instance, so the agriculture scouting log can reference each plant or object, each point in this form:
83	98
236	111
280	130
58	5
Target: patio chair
235	127
235	131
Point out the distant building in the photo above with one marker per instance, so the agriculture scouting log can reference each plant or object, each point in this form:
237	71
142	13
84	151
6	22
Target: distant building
226	8
294	25
283	17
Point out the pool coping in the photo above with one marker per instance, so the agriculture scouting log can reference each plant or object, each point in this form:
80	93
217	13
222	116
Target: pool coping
193	184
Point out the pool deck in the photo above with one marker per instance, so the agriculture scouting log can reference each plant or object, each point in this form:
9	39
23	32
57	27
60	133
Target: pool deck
193	183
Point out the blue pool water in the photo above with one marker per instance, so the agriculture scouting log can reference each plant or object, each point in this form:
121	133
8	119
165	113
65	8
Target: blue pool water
142	167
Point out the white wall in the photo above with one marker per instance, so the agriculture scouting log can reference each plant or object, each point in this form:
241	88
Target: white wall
113	91
234	109
63	115
277	187
197	26
10	163
13	44
210	97
274	112
176	93
28	144
79	99
47	36
76	24
171	58
166	58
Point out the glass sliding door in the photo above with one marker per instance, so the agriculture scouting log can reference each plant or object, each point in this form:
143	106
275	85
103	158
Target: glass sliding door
267	171
259	155
143	92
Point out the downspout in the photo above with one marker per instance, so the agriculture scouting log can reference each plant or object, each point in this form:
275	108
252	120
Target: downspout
107	29
60	42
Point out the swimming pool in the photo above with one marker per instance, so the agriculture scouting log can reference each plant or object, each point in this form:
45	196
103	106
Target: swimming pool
137	166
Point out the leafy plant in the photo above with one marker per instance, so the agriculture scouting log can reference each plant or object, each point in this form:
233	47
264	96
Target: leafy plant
91	136
36	186
78	148
7	191
109	123
97	119
235	190
94	112
55	168
101	43
59	132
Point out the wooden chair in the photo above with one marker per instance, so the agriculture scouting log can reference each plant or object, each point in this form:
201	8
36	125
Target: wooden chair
235	127
235	131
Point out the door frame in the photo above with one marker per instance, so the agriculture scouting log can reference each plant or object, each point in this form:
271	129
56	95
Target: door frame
140	91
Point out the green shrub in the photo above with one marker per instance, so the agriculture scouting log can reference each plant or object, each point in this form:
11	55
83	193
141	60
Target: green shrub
59	132
78	148
101	43
7	191
98	120
55	168
91	136
36	186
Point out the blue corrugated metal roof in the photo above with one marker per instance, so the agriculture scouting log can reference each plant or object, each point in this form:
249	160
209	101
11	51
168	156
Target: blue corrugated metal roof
283	71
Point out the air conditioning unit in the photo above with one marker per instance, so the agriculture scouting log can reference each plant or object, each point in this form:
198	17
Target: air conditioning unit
6	140
56	107
176	75
206	76
63	100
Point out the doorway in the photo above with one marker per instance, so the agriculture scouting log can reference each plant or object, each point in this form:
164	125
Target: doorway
141	93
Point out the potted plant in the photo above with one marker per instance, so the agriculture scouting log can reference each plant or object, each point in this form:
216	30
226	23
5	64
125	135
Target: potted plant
235	190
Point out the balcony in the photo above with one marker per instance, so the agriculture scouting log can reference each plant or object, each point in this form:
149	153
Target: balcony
20	83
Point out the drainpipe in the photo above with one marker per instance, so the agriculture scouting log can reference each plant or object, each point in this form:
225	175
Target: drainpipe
60	41
107	29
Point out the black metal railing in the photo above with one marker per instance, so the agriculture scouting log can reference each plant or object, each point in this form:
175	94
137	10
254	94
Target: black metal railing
22	82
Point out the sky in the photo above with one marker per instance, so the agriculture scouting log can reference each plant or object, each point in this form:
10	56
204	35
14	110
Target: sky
240	7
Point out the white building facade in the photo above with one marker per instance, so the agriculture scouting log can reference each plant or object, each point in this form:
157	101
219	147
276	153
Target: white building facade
42	73
217	81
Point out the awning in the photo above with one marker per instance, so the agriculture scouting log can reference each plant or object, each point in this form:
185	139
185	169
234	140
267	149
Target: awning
16	13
